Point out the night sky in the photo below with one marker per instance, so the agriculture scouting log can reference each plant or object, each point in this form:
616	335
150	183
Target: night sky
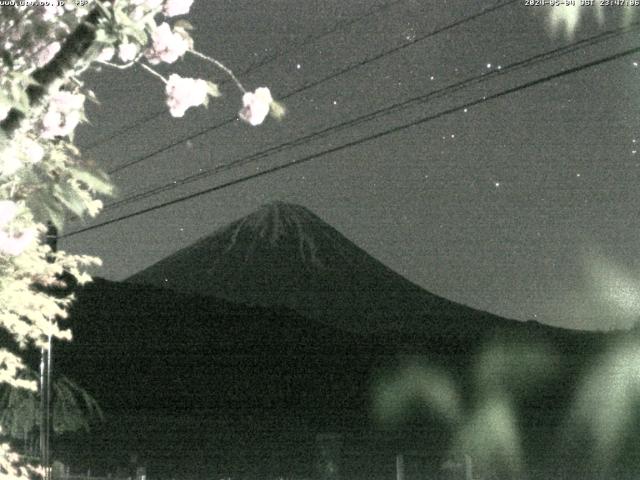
525	205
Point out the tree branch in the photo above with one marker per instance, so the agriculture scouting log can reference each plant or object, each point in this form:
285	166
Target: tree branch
71	52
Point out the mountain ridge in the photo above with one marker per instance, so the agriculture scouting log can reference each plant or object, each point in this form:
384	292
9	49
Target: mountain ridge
284	254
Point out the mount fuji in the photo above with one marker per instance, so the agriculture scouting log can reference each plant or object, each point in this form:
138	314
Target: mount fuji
284	255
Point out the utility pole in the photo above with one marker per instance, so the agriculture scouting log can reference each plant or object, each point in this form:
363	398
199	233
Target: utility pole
45	391
468	467
45	376
400	467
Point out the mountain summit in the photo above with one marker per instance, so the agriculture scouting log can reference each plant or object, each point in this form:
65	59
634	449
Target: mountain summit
285	255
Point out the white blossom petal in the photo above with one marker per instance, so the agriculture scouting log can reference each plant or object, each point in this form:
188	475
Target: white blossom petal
8	211
45	55
63	114
106	54
15	245
256	106
167	46
127	52
183	93
173	8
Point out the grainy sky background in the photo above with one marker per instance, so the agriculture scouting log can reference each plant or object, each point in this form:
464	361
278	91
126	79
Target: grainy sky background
525	206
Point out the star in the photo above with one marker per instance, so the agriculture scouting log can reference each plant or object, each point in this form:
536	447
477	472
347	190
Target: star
497	184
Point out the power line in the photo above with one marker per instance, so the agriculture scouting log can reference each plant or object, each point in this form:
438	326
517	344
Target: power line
442	92
314	83
368	138
264	61
337	26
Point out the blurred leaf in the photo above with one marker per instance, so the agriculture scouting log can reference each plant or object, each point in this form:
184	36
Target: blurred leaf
514	367
491	437
608	401
416	385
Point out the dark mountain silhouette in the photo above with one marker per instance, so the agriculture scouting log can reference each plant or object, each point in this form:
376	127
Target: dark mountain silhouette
285	255
198	386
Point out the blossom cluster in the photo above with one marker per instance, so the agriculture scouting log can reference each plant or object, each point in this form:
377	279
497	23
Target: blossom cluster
167	44
31	35
13	242
43	176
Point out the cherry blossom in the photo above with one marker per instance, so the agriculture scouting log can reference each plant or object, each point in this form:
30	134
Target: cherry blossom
106	54
9	164
15	245
256	106
8	211
167	46
33	151
52	12
45	55
11	244
173	8
20	152
127	52
183	93
63	115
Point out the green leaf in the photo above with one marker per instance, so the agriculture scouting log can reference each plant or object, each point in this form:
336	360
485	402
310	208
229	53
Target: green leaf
70	199
277	110
138	34
45	208
97	182
183	24
212	89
